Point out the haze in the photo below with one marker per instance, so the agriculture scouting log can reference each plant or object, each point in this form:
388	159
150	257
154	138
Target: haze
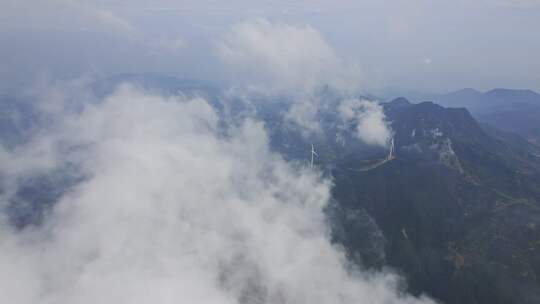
396	46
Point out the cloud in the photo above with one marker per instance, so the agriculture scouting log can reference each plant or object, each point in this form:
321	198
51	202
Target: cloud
173	208
295	60
303	115
282	56
368	120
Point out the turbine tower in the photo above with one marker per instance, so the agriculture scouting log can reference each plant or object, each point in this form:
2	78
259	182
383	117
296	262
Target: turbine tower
392	153
313	153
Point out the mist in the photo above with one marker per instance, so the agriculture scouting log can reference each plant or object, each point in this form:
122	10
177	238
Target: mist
415	45
172	208
163	199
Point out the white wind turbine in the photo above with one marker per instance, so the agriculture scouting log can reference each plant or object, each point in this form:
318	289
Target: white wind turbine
392	153
313	153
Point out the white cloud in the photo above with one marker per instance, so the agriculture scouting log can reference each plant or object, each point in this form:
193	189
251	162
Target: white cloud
282	57
173	210
368	119
303	115
294	60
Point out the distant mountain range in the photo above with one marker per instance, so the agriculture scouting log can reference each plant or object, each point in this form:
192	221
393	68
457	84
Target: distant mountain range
516	111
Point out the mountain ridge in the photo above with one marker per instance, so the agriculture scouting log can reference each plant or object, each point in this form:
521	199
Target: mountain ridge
513	110
449	207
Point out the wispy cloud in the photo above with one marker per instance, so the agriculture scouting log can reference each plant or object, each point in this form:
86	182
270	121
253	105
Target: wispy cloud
367	119
295	60
282	56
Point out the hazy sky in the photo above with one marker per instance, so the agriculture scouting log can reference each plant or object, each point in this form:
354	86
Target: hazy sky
415	44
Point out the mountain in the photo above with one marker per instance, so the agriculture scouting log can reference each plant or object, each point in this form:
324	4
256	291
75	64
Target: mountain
457	210
509	110
464	98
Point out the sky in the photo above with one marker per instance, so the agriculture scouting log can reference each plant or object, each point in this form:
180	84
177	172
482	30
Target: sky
415	45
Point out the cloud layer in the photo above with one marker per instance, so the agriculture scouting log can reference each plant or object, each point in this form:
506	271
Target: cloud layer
173	209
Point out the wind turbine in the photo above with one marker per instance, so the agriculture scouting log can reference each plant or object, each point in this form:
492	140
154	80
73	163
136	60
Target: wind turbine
391	155
313	153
